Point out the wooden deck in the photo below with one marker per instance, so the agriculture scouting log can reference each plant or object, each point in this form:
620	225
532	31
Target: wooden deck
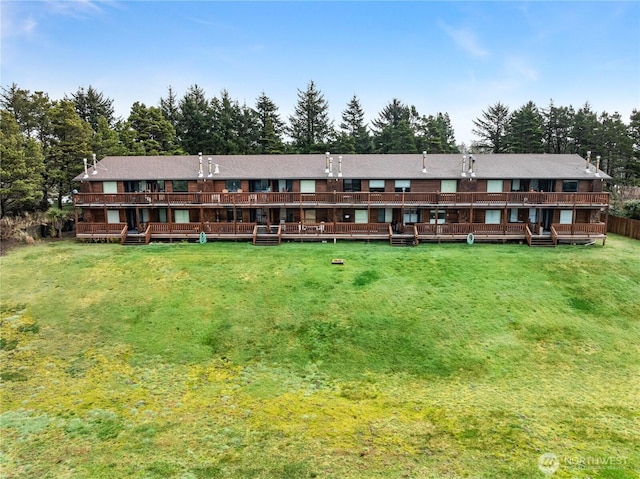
574	233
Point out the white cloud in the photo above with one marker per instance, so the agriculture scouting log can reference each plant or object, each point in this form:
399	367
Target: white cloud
465	39
16	23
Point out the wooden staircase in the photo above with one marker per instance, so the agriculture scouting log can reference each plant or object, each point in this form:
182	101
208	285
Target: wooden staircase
545	241
131	240
266	240
403	240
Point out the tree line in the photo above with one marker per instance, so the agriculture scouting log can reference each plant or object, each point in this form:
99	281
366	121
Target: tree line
43	141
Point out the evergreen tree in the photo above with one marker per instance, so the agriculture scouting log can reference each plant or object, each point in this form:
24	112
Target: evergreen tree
632	166
195	124
91	105
525	130
353	125
21	168
154	134
437	134
558	123
310	126
393	130
169	107
71	140
106	141
584	130
491	127
615	146
270	127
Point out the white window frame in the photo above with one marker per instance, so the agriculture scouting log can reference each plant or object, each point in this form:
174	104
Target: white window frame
307	186
403	185
566	217
109	187
494	186
492	217
179	216
442	217
513	215
448	186
376	184
113	216
361	216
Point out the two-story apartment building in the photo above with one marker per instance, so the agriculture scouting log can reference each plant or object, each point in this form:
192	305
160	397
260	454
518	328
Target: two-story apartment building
403	198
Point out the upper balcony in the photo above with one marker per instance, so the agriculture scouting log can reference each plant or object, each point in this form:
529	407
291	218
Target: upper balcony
341	200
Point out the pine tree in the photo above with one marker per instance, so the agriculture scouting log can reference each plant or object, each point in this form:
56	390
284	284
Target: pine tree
558	123
394	129
91	105
310	126
154	134
270	126
21	168
584	130
195	125
354	127
169	107
525	130
491	129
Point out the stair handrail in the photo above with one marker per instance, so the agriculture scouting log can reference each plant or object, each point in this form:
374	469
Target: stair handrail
255	233
147	234
123	234
554	235
527	234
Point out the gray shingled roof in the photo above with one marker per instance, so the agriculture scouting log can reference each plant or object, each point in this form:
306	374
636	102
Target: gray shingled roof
401	166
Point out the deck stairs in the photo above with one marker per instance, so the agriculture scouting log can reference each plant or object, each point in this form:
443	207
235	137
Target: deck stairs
134	240
403	240
542	240
267	240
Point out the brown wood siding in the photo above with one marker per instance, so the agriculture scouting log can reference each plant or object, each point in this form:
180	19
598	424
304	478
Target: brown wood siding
582	216
425	186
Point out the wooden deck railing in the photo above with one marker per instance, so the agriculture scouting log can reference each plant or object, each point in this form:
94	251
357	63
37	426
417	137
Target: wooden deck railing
363	199
100	228
580	229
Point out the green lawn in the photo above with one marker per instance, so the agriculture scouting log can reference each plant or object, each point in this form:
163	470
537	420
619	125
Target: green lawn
234	361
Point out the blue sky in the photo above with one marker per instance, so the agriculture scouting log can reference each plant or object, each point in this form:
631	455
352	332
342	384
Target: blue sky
455	57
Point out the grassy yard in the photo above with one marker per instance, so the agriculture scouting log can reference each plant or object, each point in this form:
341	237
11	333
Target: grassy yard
233	361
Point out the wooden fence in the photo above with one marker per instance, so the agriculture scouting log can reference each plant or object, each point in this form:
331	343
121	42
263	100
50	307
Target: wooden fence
624	226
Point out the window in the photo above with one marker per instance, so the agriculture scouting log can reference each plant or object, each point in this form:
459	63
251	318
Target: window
448	186
181	216
285	185
307	186
515	185
492	217
144	215
232	185
109	186
113	216
179	185
566	217
533	215
513	215
494	186
441	216
352	185
259	185
410	216
162	215
385	215
402	186
361	216
569	186
376	186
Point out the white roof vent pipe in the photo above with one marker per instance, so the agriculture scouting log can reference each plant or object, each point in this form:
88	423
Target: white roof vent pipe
216	171
464	164
330	167
587	166
340	167
200	173
472	165
95	166
424	161
86	172
326	166
598	165
209	165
